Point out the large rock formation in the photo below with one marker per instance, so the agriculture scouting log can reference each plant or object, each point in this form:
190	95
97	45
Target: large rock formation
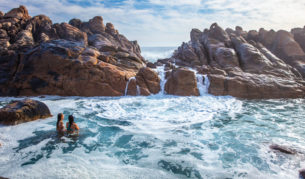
26	110
148	81
92	59
145	83
264	64
76	58
182	82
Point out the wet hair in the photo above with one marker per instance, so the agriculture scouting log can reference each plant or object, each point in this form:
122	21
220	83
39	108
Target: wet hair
71	120
59	116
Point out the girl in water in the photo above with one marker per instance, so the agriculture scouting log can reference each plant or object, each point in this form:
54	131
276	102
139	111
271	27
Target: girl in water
71	125
60	127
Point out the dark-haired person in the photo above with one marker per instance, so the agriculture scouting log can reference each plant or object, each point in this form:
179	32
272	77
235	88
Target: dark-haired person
60	127
71	125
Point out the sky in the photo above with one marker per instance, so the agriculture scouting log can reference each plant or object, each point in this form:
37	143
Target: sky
169	22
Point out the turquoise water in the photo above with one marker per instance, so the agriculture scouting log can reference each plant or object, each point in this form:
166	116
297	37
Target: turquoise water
158	136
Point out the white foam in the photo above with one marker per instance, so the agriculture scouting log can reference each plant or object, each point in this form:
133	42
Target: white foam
153	54
200	84
138	90
206	84
161	72
203	87
220	137
127	84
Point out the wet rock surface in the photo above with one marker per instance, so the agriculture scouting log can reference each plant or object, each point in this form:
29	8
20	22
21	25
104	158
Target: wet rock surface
302	173
182	82
146	82
26	110
283	149
254	64
78	58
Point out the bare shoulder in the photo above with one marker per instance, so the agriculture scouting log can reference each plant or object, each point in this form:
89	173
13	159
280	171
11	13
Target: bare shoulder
76	126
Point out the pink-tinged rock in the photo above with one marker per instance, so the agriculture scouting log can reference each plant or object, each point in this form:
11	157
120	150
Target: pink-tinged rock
182	82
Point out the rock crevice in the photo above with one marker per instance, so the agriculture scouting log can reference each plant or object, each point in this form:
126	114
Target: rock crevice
70	59
79	58
264	64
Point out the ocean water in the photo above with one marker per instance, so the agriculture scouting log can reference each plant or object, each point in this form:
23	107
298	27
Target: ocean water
152	54
158	136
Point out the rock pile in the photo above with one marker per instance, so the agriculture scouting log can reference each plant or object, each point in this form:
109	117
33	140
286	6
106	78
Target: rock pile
79	58
264	64
70	59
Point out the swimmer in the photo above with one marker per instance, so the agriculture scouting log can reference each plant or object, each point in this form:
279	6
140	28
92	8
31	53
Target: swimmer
60	127
71	125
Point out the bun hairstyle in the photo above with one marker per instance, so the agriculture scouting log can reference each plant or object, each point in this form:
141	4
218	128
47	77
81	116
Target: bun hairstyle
59	117
71	120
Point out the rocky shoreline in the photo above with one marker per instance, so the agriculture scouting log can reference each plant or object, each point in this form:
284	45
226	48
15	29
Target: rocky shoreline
253	65
79	58
38	57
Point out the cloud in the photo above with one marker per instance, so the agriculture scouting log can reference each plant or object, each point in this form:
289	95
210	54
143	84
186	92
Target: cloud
176	2
168	23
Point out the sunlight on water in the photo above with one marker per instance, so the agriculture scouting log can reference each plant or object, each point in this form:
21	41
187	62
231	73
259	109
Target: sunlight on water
158	136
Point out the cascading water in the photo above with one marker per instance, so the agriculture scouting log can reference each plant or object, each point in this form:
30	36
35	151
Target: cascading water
203	84
126	89
206	83
161	72
200	84
145	137
138	90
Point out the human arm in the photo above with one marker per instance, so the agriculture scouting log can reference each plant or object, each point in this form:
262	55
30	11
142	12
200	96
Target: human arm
76	127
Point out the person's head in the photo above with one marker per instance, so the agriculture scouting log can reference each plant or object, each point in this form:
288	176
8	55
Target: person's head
71	119
60	116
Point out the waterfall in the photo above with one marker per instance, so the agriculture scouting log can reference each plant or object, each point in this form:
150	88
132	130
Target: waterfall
138	90
200	84
203	87
161	72
126	89
203	82
206	83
